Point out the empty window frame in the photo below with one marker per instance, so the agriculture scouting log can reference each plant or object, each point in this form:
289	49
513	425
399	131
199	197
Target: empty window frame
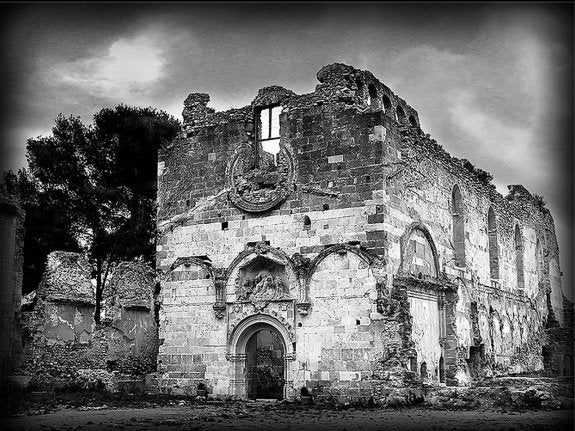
493	246
539	257
400	114
519	258
386	103
269	129
458	227
372	99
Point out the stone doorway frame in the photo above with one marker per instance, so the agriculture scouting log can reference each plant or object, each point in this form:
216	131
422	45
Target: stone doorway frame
237	353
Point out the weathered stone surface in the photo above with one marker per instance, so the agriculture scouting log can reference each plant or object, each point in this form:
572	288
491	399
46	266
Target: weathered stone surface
131	285
67	279
408	268
65	347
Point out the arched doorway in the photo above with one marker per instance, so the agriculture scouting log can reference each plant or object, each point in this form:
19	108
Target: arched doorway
263	352
265	364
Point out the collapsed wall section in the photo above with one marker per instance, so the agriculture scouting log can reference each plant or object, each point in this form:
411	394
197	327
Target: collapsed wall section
64	347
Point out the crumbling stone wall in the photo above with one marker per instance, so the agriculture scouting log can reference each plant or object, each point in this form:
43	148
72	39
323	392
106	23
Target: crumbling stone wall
371	221
129	313
11	262
63	345
437	174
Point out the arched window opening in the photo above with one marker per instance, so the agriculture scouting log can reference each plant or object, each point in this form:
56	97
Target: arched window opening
458	227
412	121
413	363
386	103
419	260
372	99
306	223
423	371
269	135
359	84
546	353
441	370
493	246
539	257
400	114
556	294
519	258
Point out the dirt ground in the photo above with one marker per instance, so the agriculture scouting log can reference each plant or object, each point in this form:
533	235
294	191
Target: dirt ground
264	416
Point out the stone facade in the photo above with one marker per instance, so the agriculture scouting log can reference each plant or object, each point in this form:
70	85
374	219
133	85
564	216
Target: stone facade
332	221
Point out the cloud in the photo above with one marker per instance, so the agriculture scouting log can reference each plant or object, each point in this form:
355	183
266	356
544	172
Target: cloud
490	132
128	65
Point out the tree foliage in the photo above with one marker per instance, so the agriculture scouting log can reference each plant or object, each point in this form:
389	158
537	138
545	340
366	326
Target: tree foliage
483	176
47	224
102	179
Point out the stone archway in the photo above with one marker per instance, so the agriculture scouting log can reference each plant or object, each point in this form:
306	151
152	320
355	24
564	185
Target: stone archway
265	365
270	375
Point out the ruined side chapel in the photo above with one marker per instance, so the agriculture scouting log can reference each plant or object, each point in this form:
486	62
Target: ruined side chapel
324	240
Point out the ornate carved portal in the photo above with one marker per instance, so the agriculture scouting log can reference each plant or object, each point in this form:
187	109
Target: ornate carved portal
262	356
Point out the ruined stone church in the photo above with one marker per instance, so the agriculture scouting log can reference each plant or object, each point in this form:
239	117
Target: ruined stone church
325	241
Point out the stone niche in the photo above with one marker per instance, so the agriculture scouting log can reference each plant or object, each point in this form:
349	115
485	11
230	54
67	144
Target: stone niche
262	285
261	281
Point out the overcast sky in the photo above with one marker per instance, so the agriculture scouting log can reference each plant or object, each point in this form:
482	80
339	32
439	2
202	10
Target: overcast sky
493	83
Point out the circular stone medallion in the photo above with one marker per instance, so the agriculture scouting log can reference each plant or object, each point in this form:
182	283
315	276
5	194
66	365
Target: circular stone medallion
260	188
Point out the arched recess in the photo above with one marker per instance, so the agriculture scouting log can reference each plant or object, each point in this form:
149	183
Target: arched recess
506	334
237	344
540	261
202	262
260	251
369	258
458	227
195	271
360	87
418	234
495	332
386	103
519	258
464	315
344	284
373	101
412	121
556	294
493	245
369	261
306	223
400	114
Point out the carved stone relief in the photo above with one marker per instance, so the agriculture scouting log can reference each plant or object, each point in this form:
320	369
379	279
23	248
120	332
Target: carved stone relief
258	187
262	281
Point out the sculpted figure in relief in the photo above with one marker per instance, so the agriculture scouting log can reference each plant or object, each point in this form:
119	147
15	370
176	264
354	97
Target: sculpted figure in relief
262	289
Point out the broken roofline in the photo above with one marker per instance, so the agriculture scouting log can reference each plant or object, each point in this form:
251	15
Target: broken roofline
353	89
